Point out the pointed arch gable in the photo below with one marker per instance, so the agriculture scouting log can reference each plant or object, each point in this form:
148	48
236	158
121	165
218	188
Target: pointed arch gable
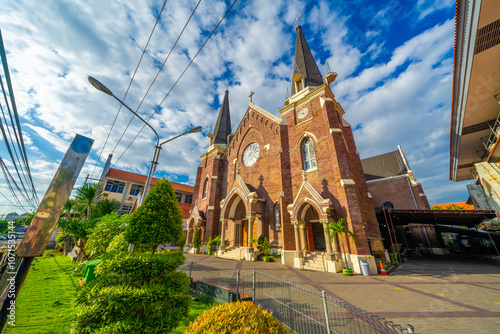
239	188
308	195
195	217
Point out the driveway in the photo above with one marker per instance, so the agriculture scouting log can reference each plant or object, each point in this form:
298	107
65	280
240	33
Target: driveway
435	294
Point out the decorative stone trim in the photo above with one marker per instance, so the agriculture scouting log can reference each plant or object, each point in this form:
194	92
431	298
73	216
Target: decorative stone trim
335	130
347	182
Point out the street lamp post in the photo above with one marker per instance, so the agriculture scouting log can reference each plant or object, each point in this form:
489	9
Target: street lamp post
99	86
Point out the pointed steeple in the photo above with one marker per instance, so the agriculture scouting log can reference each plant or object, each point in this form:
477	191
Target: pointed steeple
223	125
305	70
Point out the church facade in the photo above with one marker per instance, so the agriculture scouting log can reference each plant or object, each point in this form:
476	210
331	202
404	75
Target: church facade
286	178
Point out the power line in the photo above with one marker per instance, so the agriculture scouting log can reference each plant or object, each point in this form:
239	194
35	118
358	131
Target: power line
168	93
7	175
16	125
157	74
128	88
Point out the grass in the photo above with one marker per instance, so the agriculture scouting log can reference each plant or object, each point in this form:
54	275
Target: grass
45	303
195	310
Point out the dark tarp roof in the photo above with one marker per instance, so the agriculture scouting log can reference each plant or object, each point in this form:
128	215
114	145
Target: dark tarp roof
384	165
469	218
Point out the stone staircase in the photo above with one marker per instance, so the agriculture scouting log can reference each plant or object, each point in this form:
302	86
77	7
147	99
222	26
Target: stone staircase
234	253
314	261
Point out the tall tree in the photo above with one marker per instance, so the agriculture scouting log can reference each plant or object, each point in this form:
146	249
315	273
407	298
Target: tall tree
340	228
158	220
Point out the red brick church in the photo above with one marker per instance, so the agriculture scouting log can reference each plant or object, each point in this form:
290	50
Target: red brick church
286	177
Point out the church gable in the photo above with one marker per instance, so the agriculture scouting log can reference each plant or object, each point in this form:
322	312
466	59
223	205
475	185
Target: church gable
257	118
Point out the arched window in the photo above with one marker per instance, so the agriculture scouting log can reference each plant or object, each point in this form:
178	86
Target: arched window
205	189
308	155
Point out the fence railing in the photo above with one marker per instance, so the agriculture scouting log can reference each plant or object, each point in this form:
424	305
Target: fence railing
301	309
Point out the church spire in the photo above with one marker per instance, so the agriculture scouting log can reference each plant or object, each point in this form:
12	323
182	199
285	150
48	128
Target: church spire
223	125
305	70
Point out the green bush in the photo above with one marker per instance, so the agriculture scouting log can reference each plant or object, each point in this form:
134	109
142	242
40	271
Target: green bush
135	293
158	221
196	238
137	269
120	244
241	317
102	235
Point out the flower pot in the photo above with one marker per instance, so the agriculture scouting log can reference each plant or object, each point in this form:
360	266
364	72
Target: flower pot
347	272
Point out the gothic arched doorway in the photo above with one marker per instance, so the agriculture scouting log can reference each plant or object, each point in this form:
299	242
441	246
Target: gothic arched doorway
315	233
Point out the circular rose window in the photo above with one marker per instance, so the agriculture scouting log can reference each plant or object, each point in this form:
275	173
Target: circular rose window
251	154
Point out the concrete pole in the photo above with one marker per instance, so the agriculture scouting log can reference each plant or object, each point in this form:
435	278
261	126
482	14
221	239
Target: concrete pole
297	240
222	234
303	231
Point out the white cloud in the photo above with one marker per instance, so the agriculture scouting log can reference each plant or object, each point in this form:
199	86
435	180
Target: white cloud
53	46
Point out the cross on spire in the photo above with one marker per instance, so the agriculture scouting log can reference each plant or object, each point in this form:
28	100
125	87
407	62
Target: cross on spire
250	96
297	20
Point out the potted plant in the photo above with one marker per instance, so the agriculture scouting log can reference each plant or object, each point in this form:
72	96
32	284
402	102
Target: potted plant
339	228
265	248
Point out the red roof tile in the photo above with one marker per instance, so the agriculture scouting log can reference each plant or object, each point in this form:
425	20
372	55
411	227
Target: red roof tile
138	178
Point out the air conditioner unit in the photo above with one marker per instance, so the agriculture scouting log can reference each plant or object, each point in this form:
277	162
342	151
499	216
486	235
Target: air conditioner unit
129	198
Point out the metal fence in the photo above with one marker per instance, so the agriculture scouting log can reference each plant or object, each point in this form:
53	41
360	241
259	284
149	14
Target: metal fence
301	309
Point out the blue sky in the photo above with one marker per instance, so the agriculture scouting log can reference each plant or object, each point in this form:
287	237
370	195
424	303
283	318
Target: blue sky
394	63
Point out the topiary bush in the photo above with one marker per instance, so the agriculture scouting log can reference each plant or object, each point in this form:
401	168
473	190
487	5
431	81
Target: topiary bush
240	317
103	234
135	293
158	221
120	244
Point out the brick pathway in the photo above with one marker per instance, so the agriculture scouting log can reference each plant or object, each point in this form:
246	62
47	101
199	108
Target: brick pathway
435	295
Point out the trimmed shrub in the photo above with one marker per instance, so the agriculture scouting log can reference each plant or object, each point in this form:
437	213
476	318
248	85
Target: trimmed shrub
135	293
196	238
103	234
120	244
241	317
158	221
137	269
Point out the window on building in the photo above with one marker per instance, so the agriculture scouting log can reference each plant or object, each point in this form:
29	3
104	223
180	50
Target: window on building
205	189
114	186
308	154
188	199
136	190
179	197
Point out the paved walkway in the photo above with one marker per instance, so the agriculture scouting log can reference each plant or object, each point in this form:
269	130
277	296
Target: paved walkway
435	295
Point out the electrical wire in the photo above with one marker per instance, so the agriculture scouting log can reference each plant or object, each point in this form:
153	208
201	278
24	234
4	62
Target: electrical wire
157	74
21	158
128	88
168	93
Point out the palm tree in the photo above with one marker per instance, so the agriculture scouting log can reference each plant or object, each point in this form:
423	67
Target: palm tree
340	227
87	197
105	207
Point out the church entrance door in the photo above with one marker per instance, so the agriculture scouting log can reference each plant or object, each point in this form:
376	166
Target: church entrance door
315	233
318	237
245	233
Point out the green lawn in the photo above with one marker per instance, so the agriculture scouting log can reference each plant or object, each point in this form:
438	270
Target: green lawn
45	303
195	310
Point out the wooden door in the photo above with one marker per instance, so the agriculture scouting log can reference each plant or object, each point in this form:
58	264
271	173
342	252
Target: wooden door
310	237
